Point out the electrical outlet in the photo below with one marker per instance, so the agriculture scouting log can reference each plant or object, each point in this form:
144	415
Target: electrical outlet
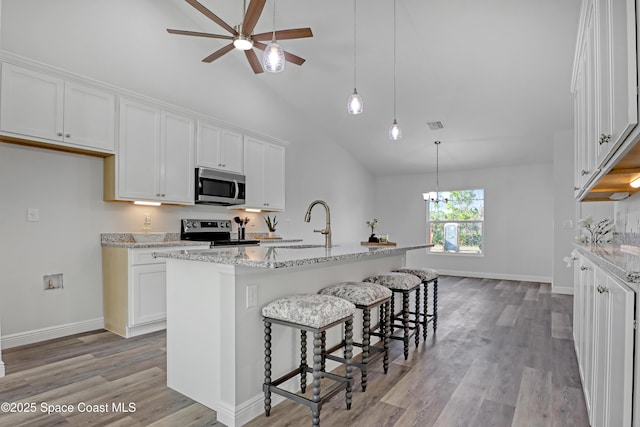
252	296
52	281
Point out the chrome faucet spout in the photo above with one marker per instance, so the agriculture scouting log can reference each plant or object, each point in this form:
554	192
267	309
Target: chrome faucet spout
327	230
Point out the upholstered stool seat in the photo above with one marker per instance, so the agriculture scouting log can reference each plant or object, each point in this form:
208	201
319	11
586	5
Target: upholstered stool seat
365	296
427	275
315	313
404	284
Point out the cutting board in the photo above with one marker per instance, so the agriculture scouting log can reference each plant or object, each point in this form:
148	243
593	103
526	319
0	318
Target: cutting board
378	243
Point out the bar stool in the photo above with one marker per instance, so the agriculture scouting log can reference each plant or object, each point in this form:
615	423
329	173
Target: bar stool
308	313
404	284
427	275
365	296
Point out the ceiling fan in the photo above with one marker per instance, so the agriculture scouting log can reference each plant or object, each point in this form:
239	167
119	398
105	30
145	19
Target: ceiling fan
241	35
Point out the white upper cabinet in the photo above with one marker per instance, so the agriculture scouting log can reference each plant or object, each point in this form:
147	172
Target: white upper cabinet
604	88
155	155
617	68
219	148
35	105
265	166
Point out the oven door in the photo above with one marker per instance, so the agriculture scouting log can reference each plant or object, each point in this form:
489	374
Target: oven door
221	188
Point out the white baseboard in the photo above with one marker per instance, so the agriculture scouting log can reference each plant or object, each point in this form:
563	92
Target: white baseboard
37	335
497	276
1	369
565	290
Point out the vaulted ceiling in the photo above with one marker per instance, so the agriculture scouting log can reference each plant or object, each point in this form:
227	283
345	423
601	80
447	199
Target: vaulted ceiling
495	72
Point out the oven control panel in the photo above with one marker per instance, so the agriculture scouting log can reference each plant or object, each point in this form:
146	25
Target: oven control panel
205	225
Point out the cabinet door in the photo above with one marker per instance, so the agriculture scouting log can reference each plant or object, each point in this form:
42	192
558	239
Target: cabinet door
587	281
601	362
208	146
138	150
148	294
89	117
617	73
590	99
274	180
619	371
176	159
231	151
254	172
31	103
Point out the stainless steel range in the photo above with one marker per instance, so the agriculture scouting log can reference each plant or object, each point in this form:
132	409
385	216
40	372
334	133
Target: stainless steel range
216	231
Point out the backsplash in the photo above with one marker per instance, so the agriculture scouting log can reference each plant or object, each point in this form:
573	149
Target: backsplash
627	218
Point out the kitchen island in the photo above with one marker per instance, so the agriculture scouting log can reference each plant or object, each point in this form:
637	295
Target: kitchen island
215	347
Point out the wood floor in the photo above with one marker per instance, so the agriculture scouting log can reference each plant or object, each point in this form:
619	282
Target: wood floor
503	356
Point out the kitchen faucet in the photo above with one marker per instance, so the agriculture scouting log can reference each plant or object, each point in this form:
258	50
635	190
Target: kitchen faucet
327	230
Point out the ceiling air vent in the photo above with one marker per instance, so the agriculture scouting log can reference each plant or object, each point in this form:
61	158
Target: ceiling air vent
435	125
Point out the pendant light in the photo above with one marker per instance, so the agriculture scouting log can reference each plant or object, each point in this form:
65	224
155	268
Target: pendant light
437	199
395	133
354	104
273	56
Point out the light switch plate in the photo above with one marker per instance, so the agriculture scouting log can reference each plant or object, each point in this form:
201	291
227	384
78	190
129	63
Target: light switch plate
33	214
252	296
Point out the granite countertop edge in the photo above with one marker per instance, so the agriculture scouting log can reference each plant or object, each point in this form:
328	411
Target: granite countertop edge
235	256
622	264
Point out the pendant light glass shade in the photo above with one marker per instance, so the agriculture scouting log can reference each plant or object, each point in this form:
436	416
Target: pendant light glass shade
354	104
395	133
273	57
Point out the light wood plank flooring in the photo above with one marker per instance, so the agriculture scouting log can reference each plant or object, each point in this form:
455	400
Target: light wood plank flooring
503	356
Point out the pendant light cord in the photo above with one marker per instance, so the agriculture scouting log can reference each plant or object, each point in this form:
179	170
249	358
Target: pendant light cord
394	60
354	45
273	35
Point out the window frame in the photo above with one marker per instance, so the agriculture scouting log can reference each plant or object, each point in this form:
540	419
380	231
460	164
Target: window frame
429	223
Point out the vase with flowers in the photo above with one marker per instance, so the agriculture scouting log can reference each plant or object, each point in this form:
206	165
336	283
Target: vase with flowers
271	225
372	225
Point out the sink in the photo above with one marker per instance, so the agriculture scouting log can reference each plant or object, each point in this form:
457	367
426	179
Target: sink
148	237
297	246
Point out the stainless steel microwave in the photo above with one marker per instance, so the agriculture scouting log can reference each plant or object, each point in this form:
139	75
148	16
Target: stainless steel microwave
219	188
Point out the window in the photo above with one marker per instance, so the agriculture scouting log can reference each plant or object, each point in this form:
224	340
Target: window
455	221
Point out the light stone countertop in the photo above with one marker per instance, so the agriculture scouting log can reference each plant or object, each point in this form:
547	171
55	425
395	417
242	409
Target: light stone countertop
125	240
289	255
621	261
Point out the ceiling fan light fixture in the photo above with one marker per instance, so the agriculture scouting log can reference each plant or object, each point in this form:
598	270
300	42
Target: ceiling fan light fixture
354	104
395	133
242	42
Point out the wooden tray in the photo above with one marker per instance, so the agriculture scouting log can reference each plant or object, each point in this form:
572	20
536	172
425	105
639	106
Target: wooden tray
378	244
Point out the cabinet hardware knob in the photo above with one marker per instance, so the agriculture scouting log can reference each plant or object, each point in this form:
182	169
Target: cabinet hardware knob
604	139
583	268
68	135
584	172
576	188
59	133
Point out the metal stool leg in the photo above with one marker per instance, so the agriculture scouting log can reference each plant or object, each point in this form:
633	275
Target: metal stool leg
387	334
348	338
267	368
435	305
303	361
417	317
366	341
317	368
425	309
323	341
405	323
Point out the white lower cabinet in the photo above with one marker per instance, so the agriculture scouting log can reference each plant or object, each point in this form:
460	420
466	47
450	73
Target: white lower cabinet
604	319
134	290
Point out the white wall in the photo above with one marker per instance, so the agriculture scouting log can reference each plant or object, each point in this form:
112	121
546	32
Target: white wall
518	228
564	211
117	42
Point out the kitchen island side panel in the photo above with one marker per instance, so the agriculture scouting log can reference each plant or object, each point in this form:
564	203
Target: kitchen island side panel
215	343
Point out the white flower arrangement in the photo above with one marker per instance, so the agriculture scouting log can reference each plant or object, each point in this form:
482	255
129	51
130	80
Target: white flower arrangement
372	224
598	232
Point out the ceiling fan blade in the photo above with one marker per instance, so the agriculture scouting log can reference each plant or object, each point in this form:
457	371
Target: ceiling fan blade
252	15
198	34
256	66
218	53
206	12
294	59
296	33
